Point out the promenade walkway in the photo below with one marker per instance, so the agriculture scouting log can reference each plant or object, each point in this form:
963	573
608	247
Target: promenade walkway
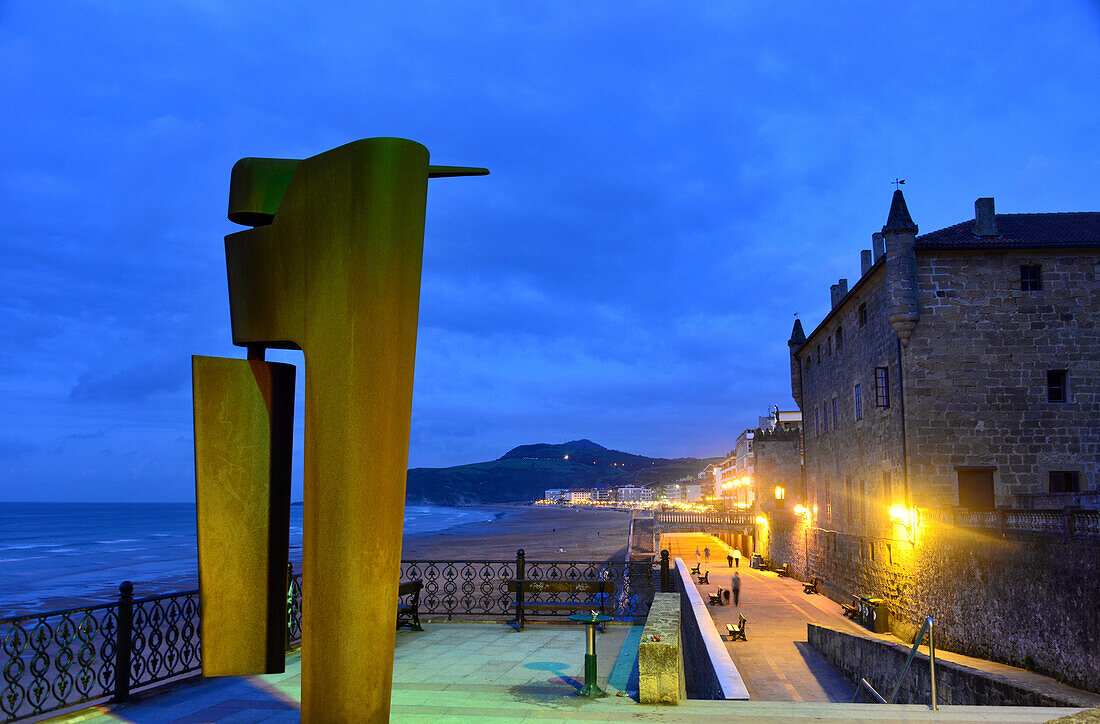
469	673
777	663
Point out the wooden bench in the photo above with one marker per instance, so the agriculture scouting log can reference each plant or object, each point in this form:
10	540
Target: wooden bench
695	570
763	565
716	598
705	578
810	587
784	571
408	613
600	593
739	631
851	610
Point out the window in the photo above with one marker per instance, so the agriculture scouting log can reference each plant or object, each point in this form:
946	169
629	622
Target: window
839	338
1056	386
819	354
1065	481
976	489
850	499
825	406
817	421
859	403
882	387
830	345
862	314
835	423
1030	279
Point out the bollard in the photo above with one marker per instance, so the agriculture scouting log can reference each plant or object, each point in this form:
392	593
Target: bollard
123	640
665	588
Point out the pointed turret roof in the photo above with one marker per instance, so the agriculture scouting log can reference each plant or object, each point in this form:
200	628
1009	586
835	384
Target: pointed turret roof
797	335
899	220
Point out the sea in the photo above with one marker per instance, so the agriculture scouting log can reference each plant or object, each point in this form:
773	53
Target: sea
61	555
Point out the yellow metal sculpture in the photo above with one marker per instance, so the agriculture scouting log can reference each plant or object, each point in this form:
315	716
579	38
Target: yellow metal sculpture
333	268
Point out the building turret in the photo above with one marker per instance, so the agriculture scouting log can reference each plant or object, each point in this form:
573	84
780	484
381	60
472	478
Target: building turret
798	337
900	234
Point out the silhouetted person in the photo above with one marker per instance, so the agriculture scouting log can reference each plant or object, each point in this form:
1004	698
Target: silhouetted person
737	557
735	586
729	559
706	554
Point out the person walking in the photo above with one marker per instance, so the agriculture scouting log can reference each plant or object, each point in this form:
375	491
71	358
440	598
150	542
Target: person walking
697	554
735	586
706	555
729	559
737	557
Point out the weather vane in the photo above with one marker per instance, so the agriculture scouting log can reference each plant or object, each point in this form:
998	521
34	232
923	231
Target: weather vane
898	182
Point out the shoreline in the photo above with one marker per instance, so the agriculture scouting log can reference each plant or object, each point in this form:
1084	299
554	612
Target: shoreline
545	533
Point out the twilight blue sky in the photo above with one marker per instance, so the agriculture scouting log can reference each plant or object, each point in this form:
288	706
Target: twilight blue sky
670	184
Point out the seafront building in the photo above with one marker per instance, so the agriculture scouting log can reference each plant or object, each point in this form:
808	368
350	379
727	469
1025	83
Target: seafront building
952	441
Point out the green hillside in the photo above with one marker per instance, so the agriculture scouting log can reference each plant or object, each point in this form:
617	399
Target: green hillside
525	472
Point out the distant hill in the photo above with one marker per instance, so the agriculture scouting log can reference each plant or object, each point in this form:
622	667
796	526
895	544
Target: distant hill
526	472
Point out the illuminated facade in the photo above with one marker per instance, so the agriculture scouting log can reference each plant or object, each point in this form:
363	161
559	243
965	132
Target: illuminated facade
962	369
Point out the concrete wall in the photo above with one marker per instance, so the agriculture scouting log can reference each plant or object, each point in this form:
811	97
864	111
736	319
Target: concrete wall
881	663
708	667
661	677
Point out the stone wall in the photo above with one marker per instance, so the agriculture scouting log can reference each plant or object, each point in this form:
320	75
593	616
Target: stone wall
976	375
882	662
778	463
661	677
1031	603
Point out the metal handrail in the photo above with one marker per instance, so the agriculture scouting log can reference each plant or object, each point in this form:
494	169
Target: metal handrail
927	627
863	684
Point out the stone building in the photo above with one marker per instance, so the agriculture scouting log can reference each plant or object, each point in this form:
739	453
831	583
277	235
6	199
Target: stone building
962	369
951	419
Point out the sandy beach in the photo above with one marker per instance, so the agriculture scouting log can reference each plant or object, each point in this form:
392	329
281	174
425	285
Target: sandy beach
544	532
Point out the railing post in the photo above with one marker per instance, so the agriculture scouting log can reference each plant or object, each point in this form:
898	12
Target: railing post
521	574
289	601
664	572
123	640
932	662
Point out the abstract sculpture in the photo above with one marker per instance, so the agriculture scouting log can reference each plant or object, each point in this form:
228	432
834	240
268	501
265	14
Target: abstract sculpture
332	268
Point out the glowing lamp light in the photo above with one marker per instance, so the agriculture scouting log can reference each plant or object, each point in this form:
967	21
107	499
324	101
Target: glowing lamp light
908	518
899	514
801	510
780	493
761	520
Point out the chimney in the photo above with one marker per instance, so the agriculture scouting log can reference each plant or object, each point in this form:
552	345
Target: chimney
837	291
877	245
985	221
865	262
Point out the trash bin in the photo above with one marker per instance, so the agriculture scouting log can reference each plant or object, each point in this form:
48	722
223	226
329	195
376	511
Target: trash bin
756	561
874	614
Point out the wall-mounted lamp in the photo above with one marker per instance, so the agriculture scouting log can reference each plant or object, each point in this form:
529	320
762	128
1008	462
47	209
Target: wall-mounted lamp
801	510
908	518
761	520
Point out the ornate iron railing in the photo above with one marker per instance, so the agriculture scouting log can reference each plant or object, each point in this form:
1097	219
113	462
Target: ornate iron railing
480	589
60	659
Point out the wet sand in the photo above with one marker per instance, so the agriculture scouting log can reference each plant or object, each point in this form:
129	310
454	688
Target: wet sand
585	535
